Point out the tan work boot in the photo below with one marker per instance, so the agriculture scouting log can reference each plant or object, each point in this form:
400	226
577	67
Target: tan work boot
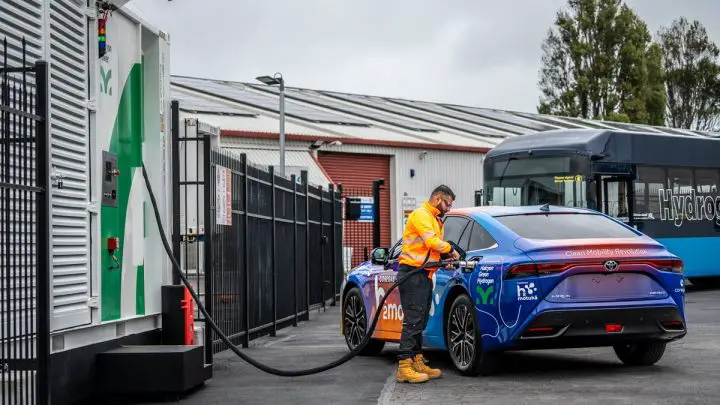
406	373
420	366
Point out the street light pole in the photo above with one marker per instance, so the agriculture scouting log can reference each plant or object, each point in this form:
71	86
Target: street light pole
270	81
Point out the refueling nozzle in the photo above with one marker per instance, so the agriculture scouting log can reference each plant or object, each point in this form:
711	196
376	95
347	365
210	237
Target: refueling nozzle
467	266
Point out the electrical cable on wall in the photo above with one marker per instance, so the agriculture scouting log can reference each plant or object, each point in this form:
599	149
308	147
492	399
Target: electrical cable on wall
271	370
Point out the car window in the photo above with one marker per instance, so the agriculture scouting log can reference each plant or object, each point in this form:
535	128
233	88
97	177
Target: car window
454	227
479	238
565	226
465	237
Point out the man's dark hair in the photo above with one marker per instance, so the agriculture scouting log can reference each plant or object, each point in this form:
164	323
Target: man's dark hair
443	189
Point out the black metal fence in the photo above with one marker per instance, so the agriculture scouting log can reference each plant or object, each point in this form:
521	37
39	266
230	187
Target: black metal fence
275	252
24	226
264	250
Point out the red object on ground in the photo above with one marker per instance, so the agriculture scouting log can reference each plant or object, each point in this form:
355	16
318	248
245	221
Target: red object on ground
187	306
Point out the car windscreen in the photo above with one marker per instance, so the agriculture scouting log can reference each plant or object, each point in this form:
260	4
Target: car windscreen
565	226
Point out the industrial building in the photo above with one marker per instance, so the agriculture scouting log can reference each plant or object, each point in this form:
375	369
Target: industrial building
353	139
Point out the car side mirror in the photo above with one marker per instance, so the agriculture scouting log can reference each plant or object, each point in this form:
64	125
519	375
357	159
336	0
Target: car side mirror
379	256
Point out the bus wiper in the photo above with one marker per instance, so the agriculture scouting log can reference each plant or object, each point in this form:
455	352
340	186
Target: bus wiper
502	175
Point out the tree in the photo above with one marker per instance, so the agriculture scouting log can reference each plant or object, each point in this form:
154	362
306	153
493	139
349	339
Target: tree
599	62
692	71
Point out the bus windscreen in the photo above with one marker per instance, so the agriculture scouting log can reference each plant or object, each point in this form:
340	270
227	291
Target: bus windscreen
552	180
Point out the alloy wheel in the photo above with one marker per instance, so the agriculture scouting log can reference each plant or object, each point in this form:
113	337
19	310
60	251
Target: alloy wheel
355	321
462	335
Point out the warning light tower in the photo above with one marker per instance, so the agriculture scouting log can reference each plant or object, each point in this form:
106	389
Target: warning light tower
102	40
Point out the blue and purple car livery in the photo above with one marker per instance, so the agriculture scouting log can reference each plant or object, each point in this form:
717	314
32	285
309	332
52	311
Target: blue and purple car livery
547	277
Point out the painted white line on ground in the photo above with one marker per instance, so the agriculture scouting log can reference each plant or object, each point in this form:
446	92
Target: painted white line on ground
272	342
388	390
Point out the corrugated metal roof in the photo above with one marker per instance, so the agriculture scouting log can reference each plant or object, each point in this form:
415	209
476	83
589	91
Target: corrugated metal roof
392	119
295	161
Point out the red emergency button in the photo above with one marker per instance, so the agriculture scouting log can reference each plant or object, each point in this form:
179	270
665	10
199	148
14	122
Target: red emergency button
613	328
113	244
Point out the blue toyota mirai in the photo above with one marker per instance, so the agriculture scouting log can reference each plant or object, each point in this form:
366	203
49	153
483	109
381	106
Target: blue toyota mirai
546	277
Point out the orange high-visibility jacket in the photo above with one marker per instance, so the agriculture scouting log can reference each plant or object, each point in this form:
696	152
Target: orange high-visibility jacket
423	233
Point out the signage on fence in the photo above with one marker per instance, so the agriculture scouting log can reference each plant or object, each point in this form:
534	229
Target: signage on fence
223	196
360	209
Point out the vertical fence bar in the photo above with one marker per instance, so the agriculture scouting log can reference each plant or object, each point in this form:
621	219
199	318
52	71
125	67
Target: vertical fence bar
333	266
5	293
273	245
246	249
209	222
342	230
294	250
321	281
26	224
376	212
175	135
306	184
43	236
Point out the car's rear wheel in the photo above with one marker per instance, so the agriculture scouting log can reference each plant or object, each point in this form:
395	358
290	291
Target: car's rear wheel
464	340
356	323
640	353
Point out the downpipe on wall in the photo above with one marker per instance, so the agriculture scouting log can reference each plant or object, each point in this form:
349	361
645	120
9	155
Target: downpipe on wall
271	370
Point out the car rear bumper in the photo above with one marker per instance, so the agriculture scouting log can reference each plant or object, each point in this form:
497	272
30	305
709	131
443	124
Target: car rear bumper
565	328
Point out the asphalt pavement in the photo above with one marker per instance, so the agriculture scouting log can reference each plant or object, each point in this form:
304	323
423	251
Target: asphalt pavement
688	373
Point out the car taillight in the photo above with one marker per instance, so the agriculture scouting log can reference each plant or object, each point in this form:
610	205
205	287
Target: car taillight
547	268
671	265
522	270
675	266
539	269
534	269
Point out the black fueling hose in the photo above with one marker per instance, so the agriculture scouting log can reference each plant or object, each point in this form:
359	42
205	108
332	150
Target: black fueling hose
235	349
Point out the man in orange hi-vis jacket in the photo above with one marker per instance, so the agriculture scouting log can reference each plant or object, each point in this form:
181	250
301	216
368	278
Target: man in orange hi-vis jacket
422	242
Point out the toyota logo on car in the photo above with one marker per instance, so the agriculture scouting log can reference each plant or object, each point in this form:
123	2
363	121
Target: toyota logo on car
611	265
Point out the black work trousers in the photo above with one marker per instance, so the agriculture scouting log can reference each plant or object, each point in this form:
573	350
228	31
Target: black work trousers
415	298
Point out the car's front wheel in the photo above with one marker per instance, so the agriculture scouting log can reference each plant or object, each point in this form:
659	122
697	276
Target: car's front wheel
640	353
464	340
356	323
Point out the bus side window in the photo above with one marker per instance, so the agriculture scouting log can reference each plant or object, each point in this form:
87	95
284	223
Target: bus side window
706	187
651	181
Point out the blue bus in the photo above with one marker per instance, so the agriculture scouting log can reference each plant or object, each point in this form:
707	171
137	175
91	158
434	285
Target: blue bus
665	186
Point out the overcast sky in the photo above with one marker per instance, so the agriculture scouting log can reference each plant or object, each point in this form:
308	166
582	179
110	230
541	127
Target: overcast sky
483	53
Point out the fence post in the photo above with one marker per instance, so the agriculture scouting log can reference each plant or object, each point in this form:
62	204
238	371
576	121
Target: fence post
273	243
43	227
306	184
294	254
342	233
246	249
209	223
333	266
175	145
376	212
322	251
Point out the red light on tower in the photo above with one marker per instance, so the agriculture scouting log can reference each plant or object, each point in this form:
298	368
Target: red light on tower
102	39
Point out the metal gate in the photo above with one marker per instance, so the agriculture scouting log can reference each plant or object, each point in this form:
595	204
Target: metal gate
24	210
262	250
